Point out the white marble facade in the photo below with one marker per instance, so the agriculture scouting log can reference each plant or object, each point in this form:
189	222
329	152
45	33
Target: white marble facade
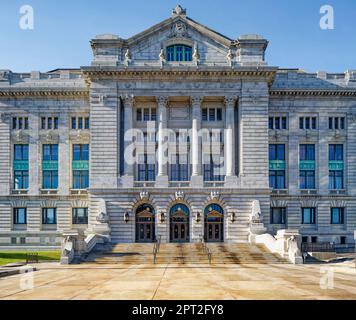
131	74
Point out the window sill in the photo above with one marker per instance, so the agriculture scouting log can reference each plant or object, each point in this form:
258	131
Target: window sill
337	191
308	191
140	184
24	191
49	227
279	191
49	191
78	191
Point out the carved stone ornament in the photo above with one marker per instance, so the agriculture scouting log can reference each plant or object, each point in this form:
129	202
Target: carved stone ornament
230	55
179	30
4	117
162	56
179	195
179	11
214	195
102	217
256	211
144	196
196	55
128	55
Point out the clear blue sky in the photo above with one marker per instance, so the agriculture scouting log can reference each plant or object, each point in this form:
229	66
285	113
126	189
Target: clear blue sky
63	29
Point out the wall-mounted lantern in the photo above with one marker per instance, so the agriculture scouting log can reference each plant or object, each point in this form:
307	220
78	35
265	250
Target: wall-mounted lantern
162	217
232	216
127	217
197	217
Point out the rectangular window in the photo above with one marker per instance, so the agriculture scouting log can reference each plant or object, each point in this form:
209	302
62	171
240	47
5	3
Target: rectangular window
50	180
146	171
213	171
308	216
56	123
49	216
49	123
43	123
205	115
81	152
278	215
146	114
336	179
87	123
337	123
336	152
219	114
21	152
153	114
138	114
307	123
20	216
337	215
307	179
277	179
277	174
277	123
270	123
179	169
21	180
50	152
80	179
80	215
307	152
80	123
74	123
284	123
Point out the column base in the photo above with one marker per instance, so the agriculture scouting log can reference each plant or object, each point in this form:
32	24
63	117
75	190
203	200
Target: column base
127	181
197	182
231	182
162	182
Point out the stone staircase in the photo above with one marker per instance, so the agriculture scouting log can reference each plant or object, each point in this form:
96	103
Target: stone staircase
184	253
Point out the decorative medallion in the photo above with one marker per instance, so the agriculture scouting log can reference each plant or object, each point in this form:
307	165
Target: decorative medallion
179	195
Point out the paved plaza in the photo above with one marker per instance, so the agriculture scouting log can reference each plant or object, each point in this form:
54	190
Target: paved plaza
169	281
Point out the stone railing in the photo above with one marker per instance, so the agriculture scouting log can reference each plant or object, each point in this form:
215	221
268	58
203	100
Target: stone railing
286	243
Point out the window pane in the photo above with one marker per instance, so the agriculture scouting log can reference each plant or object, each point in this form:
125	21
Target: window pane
284	123
74	123
314	123
85	152
76	152
219	114
80	123
153	114
205	115
301	123
307	123
270	123
56	123
139	114
211	114
330	123
146	114
281	152
342	123
277	123
87	123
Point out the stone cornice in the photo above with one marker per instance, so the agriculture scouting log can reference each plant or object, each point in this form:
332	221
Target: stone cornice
42	93
91	73
301	92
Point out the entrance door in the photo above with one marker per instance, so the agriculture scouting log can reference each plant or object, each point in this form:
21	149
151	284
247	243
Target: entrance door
214	232
179	224
214	224
179	231
145	224
144	232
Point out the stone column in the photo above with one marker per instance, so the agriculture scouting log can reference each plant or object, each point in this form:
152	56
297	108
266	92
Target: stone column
162	175
230	179
128	178
197	178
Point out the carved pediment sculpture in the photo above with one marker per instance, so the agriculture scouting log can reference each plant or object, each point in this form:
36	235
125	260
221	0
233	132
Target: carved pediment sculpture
179	30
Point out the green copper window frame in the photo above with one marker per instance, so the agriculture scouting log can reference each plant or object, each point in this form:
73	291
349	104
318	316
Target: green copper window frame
179	52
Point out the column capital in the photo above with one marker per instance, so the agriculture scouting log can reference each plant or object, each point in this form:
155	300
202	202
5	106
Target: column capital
230	101
129	100
162	101
196	101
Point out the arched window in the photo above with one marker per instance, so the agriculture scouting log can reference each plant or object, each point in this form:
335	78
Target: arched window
214	213
179	208
179	52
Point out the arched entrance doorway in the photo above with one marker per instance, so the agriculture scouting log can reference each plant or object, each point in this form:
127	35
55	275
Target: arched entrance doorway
179	223
145	223
214	223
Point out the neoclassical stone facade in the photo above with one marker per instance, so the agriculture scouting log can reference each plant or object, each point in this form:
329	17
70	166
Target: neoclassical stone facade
287	139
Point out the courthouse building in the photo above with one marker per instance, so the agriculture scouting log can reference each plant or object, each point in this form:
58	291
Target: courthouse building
248	133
